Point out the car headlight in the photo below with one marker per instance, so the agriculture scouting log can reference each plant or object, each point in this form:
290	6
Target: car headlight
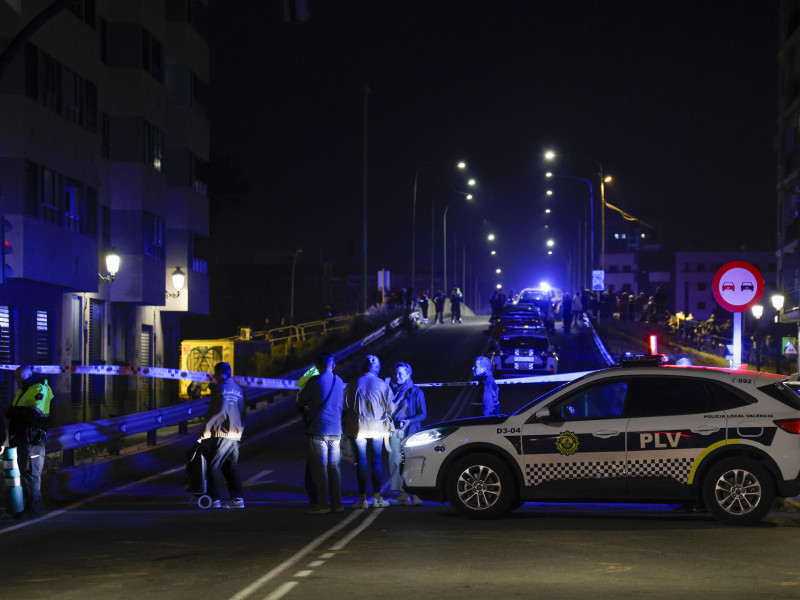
428	436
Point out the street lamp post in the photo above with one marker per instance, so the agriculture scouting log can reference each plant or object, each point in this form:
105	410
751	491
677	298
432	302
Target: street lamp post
777	300
291	295
550	155
461	165
444	240
591	218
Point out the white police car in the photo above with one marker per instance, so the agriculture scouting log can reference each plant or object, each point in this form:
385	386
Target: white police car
725	439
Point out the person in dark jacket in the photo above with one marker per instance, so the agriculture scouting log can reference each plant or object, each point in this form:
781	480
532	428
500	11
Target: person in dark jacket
487	401
456	298
438	303
423	306
407	418
222	432
322	397
566	311
28	418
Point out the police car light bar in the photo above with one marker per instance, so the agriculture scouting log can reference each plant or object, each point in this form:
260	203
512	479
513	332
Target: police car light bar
642	360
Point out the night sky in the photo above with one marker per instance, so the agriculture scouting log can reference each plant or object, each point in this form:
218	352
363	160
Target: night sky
677	99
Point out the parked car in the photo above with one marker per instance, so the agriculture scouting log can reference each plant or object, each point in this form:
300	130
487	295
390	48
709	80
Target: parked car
724	439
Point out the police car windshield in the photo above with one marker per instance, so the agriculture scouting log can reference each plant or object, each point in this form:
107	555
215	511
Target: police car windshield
544	396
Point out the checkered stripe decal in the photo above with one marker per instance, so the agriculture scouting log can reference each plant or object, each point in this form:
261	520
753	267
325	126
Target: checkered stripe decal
539	473
676	468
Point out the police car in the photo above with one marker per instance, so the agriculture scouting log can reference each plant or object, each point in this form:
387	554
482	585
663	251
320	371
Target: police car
725	439
524	351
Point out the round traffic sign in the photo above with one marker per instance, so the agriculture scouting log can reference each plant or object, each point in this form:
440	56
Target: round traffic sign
737	286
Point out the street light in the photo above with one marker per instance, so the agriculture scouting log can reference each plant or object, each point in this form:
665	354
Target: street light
777	300
291	296
112	266
490	237
758	310
498	271
550	155
460	165
178	281
444	239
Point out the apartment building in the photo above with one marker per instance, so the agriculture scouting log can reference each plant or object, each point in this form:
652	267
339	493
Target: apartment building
102	129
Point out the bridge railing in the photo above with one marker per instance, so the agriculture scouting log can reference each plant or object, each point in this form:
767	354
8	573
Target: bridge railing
69	437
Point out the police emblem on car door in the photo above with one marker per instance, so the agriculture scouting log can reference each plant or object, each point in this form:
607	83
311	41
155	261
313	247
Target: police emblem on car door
575	446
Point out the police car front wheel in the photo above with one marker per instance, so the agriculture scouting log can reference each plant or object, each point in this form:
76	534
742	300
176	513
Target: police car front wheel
481	486
738	491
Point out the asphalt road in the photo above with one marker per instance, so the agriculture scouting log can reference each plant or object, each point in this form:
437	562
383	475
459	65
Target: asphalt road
143	540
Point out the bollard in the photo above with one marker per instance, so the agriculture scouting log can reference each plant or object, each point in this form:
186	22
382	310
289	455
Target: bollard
11	475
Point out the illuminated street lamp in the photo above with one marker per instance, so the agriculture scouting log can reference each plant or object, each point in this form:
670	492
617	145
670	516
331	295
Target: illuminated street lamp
490	237
550	155
471	182
777	300
498	271
493	252
550	243
461	165
549	192
112	266
547	211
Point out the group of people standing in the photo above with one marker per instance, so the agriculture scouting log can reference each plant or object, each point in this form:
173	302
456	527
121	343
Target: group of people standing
369	412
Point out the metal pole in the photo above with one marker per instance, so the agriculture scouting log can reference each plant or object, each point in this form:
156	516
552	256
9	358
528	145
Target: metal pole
414	228
433	223
364	196
444	249
291	295
602	220
464	272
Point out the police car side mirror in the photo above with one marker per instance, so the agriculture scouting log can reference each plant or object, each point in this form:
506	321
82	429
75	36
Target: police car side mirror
543	415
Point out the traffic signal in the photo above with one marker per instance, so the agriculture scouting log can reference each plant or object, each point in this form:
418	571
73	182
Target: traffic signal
7	249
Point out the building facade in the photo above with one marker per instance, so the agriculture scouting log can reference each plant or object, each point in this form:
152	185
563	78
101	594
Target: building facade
102	130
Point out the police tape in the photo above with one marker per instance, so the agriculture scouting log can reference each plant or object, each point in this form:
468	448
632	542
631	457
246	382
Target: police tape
256	382
156	373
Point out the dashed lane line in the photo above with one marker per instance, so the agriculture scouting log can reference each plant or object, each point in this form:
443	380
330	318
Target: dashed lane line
292	560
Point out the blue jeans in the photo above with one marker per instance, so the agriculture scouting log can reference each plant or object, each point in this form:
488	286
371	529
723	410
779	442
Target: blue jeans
375	452
222	454
325	457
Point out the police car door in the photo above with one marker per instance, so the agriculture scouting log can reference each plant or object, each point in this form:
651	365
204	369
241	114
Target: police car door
672	422
575	446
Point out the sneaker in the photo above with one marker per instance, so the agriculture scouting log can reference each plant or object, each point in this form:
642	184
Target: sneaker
319	509
235	503
404	501
215	504
338	508
380	503
415	500
362	503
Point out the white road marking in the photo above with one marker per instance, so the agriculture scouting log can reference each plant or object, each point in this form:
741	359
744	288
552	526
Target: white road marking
256	479
349	537
120	488
316	563
281	591
304	573
297	556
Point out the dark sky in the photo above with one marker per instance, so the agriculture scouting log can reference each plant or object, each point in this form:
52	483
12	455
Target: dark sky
676	98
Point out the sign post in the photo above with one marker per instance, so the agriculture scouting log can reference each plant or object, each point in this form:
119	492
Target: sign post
737	286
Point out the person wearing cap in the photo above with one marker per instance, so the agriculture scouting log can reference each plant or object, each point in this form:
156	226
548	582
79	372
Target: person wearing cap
222	432
368	406
28	418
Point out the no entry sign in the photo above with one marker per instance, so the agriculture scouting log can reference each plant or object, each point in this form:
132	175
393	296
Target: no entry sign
738	286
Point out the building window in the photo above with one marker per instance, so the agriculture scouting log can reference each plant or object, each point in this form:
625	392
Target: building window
701	286
152	56
626	268
91	211
44	342
49	200
31	185
153	146
72	206
153	236
701	305
105	230
6	351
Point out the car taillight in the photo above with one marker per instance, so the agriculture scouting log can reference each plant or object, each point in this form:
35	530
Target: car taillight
790	425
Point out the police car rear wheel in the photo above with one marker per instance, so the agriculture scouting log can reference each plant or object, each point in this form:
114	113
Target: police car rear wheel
481	486
738	491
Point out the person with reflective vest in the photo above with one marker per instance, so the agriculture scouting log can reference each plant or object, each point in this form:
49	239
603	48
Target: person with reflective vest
28	418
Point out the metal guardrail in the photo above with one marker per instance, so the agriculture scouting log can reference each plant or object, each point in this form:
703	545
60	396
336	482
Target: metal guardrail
69	437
